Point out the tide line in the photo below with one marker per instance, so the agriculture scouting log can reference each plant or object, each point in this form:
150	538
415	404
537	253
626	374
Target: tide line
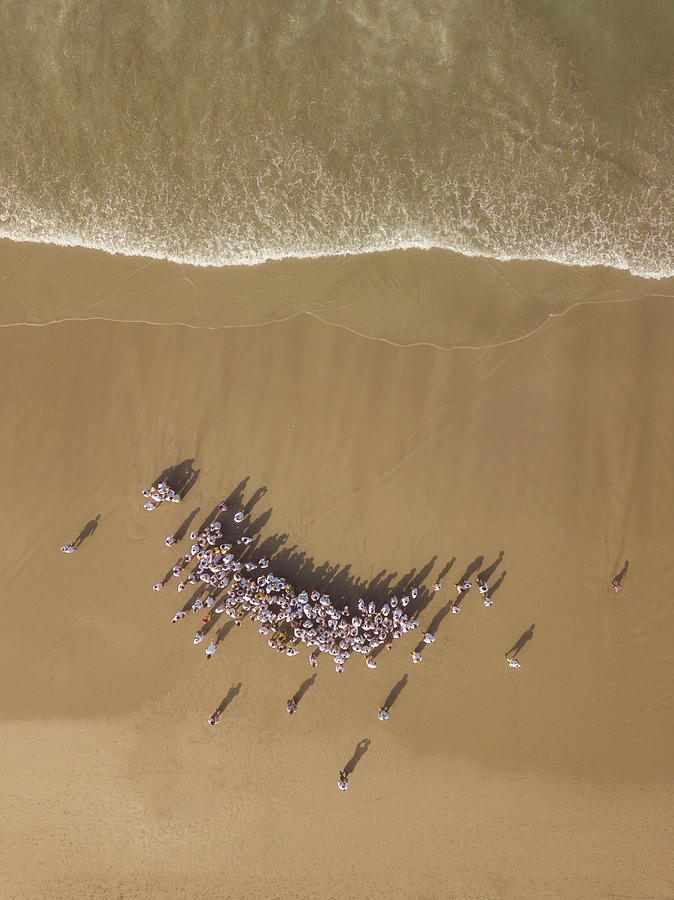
369	337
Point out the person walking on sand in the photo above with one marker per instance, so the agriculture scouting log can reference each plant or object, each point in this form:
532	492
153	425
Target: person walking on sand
214	718
462	586
158	586
482	585
513	663
383	714
429	638
291	706
488	601
170	540
238	516
313	660
343	781
416	657
198	637
437	586
210	650
68	548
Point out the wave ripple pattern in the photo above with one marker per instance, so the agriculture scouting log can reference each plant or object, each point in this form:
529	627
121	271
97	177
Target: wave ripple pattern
219	134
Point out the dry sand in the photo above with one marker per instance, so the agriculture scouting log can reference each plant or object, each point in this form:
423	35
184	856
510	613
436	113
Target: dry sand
550	441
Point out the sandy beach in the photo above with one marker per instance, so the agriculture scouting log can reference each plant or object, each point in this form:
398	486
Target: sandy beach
385	415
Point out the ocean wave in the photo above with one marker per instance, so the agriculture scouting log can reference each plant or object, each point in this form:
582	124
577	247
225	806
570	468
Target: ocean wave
220	137
629	233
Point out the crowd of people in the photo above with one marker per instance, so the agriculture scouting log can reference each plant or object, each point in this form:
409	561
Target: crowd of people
228	583
286	617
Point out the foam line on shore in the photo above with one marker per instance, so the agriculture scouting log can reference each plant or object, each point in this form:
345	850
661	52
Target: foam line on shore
353	331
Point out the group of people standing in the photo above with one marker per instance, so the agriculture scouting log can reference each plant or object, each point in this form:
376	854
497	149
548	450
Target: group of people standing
229	584
286	617
158	494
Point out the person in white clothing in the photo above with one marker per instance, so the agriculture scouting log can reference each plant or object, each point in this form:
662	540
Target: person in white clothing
416	656
158	586
198	637
210	650
513	663
429	638
343	781
68	548
179	615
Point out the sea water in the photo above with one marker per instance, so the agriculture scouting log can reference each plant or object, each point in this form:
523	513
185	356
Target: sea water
220	133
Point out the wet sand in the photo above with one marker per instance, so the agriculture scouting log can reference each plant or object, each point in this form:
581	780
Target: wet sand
539	424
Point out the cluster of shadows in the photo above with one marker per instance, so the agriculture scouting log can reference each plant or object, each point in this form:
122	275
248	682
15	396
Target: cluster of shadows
305	573
181	478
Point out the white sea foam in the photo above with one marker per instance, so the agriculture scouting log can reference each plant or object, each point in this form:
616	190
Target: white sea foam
337	226
466	125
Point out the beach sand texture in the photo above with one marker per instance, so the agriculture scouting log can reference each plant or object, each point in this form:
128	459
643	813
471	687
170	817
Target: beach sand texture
514	408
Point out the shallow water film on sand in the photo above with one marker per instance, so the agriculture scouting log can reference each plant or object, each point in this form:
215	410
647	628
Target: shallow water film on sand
220	134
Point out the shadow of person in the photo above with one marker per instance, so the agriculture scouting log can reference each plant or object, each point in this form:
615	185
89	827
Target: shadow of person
231	694
497	584
395	692
182	528
257	496
521	641
487	572
446	569
224	630
476	563
304	687
358	754
434	624
423	573
87	531
618	579
181	477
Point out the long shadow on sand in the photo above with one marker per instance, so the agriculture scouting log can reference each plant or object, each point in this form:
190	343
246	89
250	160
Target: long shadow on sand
521	641
360	751
87	531
303	688
395	692
227	699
